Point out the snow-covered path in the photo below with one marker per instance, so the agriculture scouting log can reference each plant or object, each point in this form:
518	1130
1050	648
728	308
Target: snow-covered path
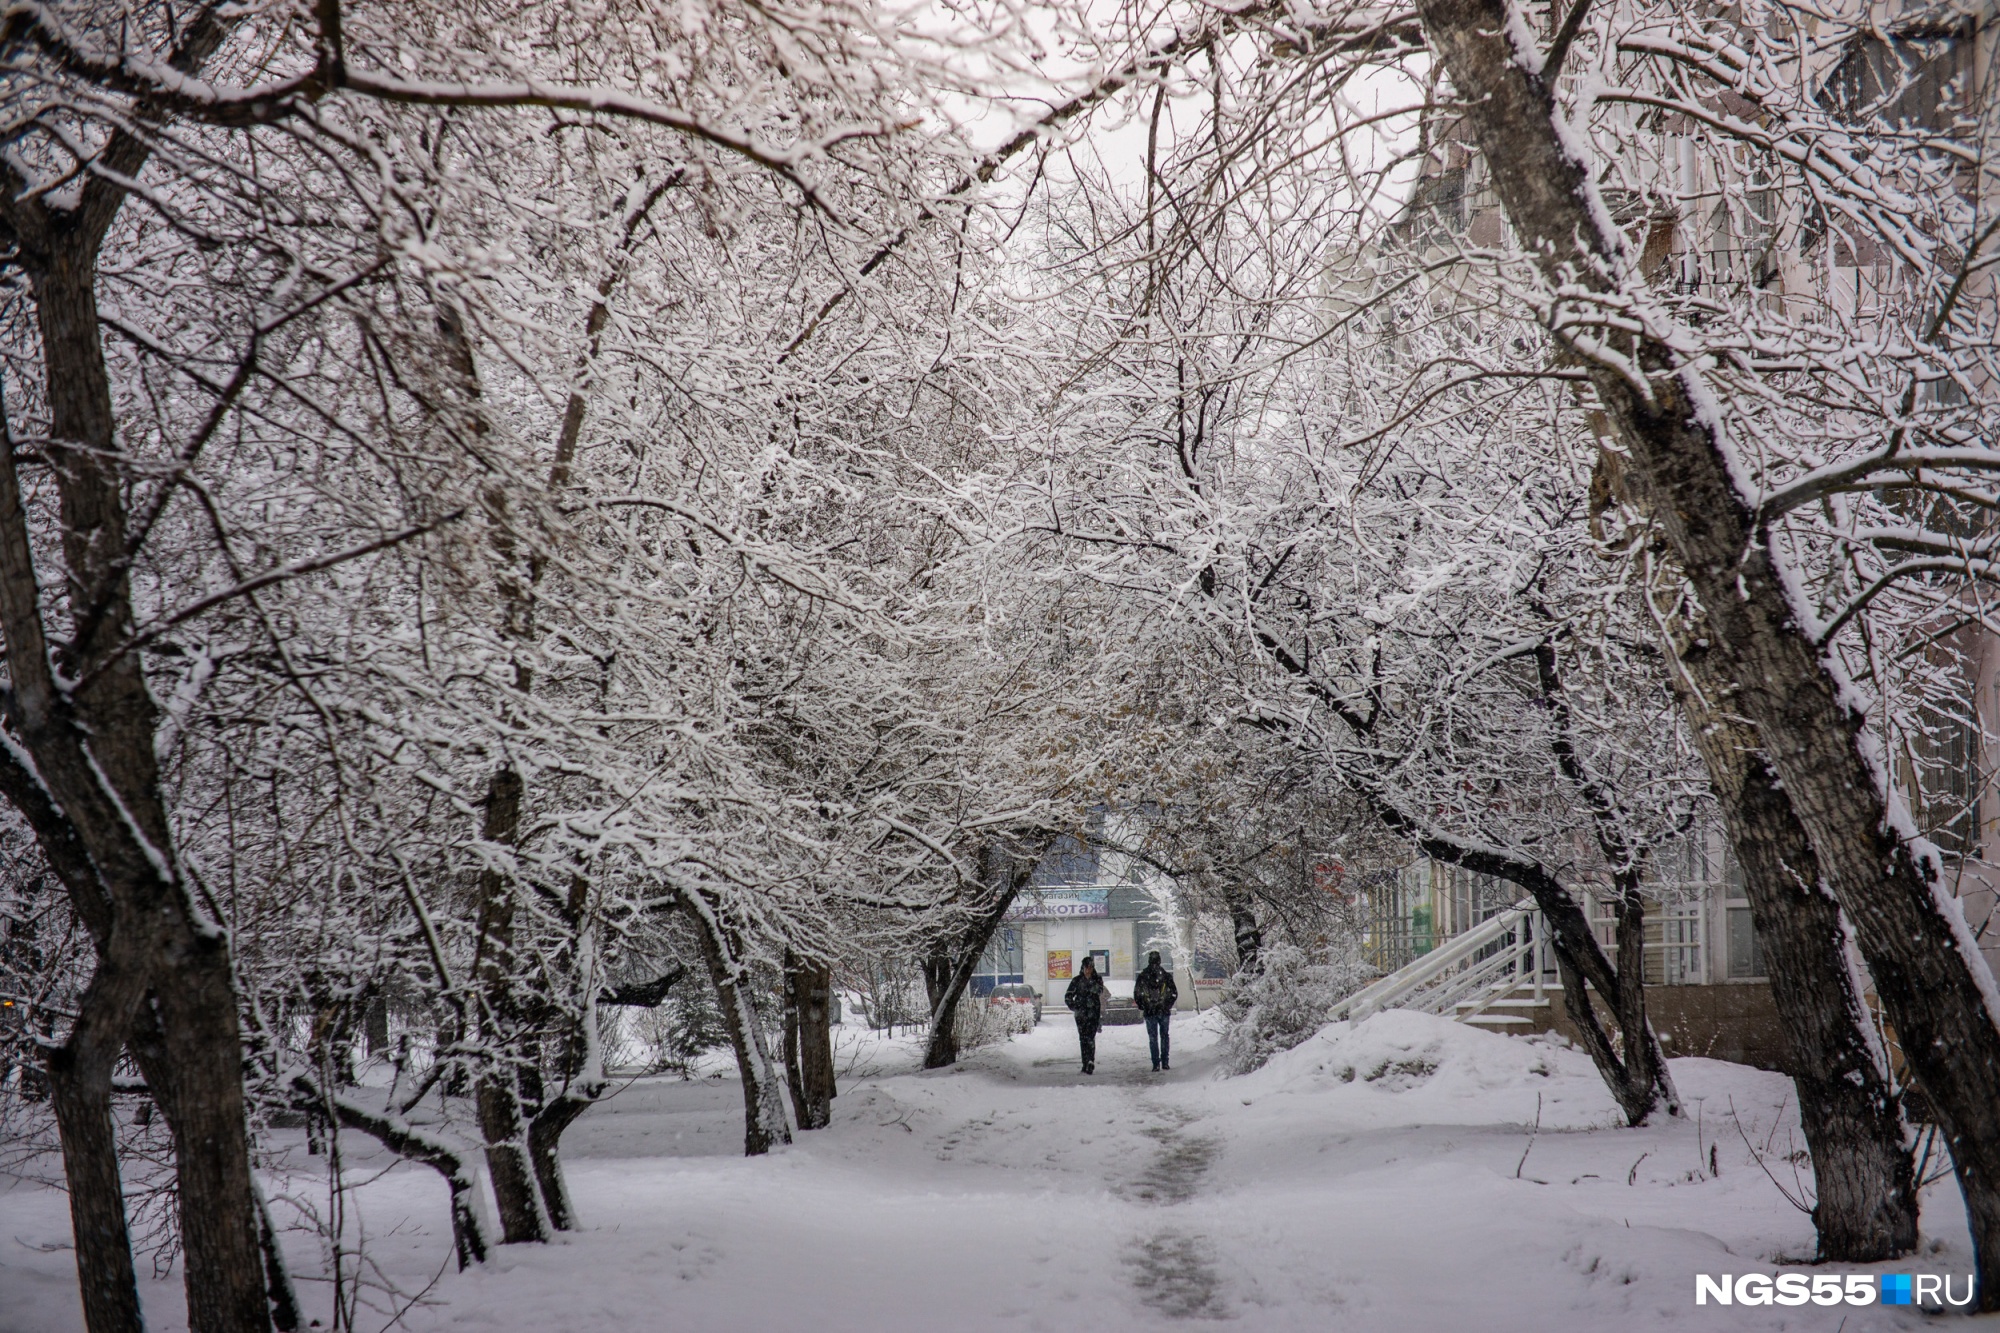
1370	1180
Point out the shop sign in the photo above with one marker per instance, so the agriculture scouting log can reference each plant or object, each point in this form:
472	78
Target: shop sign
1056	904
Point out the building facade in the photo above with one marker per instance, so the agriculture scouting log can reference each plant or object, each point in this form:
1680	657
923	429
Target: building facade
1085	901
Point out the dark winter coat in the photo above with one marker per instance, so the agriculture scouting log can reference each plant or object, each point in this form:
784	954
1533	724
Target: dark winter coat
1085	997
1154	992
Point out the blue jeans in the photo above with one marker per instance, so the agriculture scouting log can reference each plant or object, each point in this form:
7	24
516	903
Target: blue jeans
1156	1037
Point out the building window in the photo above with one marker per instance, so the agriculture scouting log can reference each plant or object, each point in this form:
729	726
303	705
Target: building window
1674	932
1945	770
1001	964
1746	955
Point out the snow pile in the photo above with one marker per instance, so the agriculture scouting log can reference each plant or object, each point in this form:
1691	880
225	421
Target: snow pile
1404	1067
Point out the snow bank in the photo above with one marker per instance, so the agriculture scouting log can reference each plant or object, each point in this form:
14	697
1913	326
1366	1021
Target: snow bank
1403	1067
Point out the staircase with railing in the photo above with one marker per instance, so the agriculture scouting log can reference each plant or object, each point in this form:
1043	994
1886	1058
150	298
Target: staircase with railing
1496	974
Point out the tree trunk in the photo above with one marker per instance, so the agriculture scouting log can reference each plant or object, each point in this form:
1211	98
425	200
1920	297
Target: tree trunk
809	1040
795	1079
943	989
204	1109
582	1066
1639	1074
1249	935
1925	965
949	967
1633	1067
764	1121
80	1090
375	1026
496	1091
1646	1078
509	1160
82	1103
585	1085
1866	1208
545	1133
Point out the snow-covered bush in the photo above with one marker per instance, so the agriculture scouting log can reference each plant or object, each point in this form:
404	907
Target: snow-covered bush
1286	1000
671	1037
890	997
981	1024
1013	1019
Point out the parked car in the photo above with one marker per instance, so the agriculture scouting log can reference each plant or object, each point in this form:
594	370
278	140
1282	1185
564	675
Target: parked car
1001	996
1120	1010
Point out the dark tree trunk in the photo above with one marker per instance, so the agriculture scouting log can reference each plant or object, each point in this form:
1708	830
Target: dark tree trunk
1633	1067
809	1040
949	966
516	1193
496	1090
1596	1042
764	1121
1636	1083
523	1133
583	1088
1866	1208
795	1079
204	1108
80	1087
1924	968
82	1103
583	1081
1249	934
943	989
375	1026
1639	1073
1638	1047
544	1139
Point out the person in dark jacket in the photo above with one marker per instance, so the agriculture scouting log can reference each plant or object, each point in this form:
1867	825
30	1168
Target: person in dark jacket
1085	997
1155	993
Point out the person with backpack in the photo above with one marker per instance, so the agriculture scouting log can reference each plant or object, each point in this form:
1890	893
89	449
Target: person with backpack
1086	997
1155	993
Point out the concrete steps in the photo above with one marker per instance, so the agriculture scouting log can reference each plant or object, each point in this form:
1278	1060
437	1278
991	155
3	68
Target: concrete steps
1518	1008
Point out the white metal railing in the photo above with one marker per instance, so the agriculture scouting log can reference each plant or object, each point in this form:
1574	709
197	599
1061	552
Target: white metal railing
1675	933
1460	977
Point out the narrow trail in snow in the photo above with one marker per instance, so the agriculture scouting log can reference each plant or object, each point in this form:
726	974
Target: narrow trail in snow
1173	1267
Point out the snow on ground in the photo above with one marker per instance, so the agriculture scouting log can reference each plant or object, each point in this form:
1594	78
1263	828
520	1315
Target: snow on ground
1388	1177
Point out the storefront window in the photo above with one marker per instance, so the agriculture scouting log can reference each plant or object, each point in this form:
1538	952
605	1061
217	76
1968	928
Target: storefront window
1001	964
